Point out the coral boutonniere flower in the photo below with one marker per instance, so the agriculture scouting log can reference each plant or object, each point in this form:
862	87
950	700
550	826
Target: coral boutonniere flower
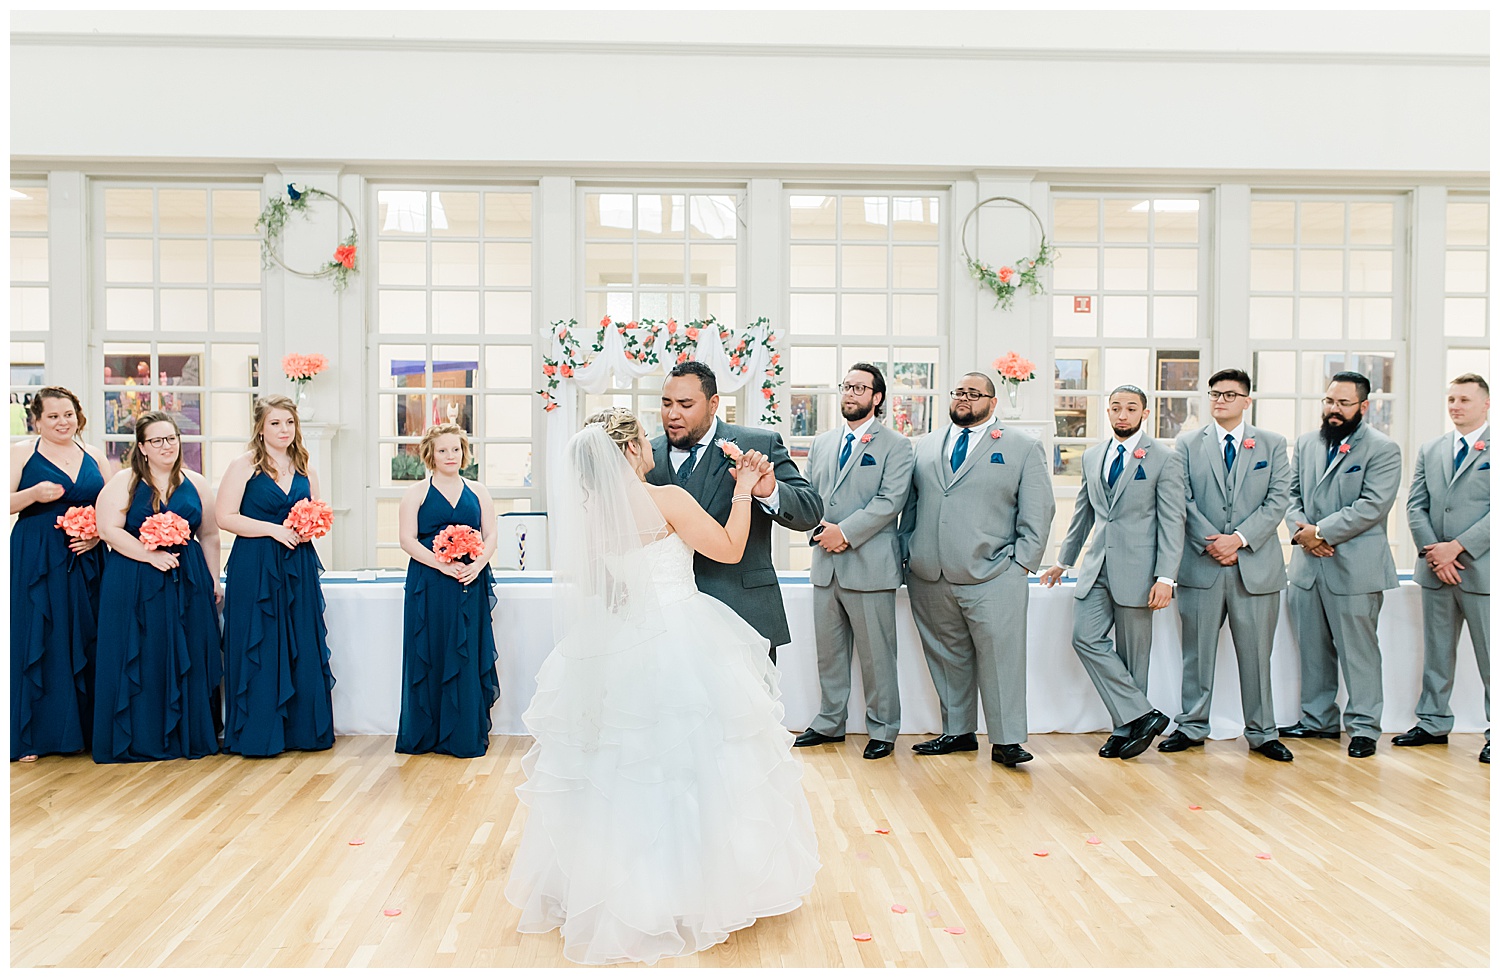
1344	449
1140	453
996	433
864	439
1479	446
1248	443
729	448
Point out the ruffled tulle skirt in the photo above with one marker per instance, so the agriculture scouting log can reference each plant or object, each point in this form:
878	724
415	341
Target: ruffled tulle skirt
666	808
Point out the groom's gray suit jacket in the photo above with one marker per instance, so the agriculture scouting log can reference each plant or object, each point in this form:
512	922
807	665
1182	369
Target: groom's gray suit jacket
749	587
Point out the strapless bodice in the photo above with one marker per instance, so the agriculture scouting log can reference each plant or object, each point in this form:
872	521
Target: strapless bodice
671	563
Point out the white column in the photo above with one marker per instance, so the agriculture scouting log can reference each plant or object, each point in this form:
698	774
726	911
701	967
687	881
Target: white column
1426	359
1228	341
558	297
73	358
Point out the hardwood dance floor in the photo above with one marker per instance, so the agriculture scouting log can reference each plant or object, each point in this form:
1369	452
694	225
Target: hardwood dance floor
230	862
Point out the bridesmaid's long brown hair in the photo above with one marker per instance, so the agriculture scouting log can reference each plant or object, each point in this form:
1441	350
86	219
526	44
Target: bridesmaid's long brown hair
140	466
296	451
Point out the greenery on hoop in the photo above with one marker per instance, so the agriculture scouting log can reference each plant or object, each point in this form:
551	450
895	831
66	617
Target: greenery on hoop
645	343
272	222
1006	280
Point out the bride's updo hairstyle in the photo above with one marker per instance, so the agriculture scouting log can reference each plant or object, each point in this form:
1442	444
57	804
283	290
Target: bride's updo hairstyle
620	425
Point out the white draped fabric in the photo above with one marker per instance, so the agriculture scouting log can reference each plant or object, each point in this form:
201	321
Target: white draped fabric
594	377
364	634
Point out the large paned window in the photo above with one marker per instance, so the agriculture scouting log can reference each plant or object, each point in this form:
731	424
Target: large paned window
29	319
453	342
1129	306
864	287
1466	288
659	255
177	313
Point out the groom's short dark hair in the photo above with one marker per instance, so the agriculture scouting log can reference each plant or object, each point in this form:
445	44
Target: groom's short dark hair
878	386
693	368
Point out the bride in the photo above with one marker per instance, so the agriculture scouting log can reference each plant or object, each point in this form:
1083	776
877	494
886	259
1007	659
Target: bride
666	809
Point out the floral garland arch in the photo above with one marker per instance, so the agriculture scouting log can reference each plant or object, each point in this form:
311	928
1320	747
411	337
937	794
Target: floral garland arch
1007	280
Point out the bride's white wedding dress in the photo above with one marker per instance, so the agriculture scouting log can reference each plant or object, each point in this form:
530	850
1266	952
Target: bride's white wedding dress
666	808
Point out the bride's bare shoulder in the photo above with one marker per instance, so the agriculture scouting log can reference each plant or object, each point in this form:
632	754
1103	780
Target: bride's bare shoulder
667	495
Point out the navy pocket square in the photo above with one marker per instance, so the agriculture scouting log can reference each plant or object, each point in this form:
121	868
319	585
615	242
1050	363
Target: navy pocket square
867	460
997	459
1140	474
1351	469
1484	466
1262	464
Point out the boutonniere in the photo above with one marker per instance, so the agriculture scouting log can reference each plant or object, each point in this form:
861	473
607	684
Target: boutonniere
1479	446
996	433
1140	453
864	439
1248	443
729	448
1344	449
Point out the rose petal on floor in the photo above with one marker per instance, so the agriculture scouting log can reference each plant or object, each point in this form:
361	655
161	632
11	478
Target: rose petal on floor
1092	840
392	911
953	930
1262	855
1195	808
897	908
1039	852
863	937
356	842
882	831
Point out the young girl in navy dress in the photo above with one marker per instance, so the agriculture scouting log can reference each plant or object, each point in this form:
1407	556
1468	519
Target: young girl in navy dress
448	678
158	661
54	581
277	685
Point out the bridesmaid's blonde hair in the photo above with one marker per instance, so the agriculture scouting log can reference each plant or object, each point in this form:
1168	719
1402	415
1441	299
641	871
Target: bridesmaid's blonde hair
296	451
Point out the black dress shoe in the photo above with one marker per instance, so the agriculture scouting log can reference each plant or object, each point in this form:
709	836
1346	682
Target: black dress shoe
811	738
1143	730
1009	754
1111	746
1417	737
1178	741
947	744
1274	749
1303	730
1484	755
879	748
1361	746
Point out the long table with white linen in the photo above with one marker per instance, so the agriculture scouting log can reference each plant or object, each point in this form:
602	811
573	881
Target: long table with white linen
364	621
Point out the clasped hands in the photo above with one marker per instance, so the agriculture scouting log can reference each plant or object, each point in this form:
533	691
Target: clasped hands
1306	537
1443	559
751	461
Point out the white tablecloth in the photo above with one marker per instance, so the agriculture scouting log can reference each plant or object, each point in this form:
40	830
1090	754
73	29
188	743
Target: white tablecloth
365	621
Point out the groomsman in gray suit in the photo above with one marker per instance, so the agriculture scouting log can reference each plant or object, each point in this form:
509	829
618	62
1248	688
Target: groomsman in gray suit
1345	478
1133	498
1448	509
1238	487
975	526
862	470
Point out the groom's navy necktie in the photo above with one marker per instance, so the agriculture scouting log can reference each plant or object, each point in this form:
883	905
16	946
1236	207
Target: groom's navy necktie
686	468
960	450
1118	466
1228	452
848	447
1463	453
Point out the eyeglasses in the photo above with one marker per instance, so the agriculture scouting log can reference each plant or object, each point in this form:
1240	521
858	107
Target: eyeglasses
162	442
967	395
1228	396
857	390
1329	402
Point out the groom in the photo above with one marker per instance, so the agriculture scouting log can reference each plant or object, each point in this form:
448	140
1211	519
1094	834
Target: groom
689	398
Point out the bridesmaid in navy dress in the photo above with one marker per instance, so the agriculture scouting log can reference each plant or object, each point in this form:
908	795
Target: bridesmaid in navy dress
277	685
54	582
158	662
448	678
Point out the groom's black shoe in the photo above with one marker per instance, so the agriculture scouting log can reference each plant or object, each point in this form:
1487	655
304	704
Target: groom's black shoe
947	744
1009	754
877	749
811	738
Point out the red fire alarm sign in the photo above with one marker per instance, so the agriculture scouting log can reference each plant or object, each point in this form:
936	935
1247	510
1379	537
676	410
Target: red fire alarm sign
1083	303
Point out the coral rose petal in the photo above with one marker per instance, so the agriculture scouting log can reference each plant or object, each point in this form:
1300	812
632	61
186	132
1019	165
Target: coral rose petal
356	842
864	937
953	930
882	831
1092	840
1262	855
1039	852
1195	808
897	908
392	911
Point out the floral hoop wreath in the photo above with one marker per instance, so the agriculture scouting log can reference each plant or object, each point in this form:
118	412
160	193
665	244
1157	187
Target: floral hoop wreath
652	343
1007	280
272	222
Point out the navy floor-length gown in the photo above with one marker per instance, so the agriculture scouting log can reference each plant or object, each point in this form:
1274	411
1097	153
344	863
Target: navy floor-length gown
158	661
276	678
54	611
448	678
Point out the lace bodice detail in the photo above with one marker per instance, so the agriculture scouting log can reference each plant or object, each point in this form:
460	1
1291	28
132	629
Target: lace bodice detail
671	568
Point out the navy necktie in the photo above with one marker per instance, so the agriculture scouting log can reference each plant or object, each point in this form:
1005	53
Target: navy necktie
1118	466
1463	453
848	447
1228	452
686	468
1333	451
960	450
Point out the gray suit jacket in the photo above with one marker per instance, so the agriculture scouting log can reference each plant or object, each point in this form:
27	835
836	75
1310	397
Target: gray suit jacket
1251	500
1139	523
969	526
1348	501
749	587
864	498
1445	506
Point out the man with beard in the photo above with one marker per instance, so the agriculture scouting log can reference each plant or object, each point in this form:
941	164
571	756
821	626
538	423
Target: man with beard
1448	510
975	525
689	398
862	471
1133	498
1345	477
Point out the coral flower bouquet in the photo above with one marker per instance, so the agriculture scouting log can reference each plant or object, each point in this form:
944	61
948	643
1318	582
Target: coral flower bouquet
312	518
457	541
79	522
165	530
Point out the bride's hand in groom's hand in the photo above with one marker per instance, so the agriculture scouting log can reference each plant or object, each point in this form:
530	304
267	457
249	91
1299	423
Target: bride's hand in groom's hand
748	470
